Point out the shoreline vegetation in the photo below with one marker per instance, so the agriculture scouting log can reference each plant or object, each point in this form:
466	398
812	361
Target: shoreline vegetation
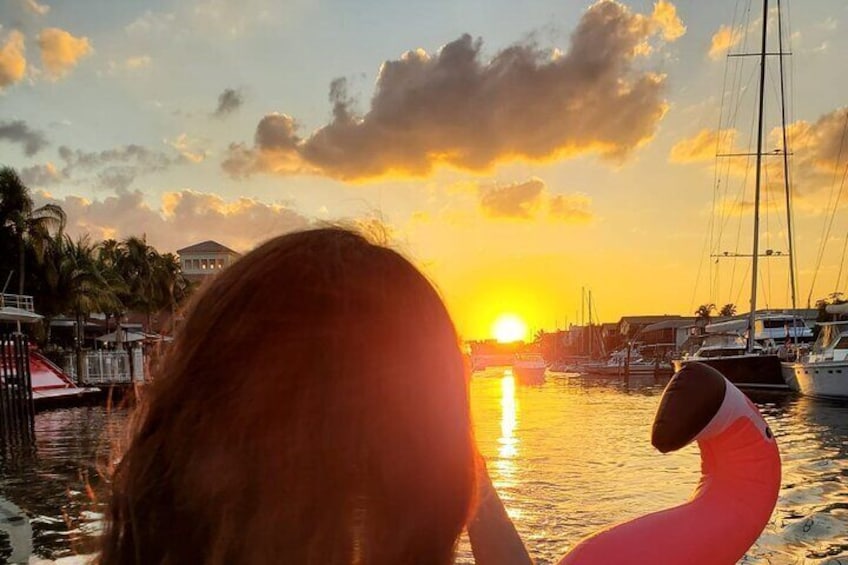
76	278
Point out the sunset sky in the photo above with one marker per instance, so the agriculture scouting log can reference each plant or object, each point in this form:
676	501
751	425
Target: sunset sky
516	151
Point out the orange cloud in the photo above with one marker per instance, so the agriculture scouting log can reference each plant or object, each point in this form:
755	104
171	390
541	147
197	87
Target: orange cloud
12	59
703	146
571	208
528	200
61	51
182	217
723	40
665	16
454	108
819	154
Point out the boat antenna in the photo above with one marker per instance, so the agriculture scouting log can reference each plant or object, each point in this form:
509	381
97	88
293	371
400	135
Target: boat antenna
6	285
756	252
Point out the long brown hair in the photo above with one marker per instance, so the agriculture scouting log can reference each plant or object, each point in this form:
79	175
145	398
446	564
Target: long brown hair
312	409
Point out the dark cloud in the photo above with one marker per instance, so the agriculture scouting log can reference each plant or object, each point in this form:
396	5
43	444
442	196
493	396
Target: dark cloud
456	108
117	168
531	200
228	102
19	132
128	154
117	179
179	219
41	175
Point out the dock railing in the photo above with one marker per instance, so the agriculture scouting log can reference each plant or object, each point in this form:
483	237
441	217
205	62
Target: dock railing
21	301
103	367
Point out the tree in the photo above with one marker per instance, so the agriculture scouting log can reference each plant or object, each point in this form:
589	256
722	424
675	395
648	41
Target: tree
22	223
705	311
728	310
823	303
136	264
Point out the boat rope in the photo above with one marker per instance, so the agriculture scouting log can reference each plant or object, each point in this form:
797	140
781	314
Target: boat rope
841	264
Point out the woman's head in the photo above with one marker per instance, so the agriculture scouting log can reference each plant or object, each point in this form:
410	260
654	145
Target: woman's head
312	409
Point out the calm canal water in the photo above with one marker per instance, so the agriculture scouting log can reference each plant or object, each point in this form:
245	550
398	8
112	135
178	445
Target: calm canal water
568	458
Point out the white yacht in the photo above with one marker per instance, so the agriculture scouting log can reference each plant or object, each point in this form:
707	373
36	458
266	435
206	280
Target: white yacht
824	370
529	368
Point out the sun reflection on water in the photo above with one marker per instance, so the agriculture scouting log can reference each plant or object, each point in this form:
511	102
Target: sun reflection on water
508	442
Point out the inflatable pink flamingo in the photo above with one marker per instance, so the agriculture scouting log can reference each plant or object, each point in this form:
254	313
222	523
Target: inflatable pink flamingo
740	479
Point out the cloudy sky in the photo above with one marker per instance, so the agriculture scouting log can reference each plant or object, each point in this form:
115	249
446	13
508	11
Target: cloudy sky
516	152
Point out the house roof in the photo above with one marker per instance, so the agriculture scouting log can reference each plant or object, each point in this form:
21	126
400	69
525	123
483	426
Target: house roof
650	319
669	324
206	247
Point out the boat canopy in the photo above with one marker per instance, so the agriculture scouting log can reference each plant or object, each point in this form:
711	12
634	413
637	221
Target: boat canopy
14	314
728	326
837	308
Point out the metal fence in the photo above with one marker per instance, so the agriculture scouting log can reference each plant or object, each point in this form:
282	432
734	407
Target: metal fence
104	367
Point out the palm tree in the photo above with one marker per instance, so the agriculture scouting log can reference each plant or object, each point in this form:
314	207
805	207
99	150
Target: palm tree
170	287
136	264
21	222
108	259
704	312
84	287
727	310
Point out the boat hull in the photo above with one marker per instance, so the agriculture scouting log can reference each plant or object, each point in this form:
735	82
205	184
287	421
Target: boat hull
825	379
636	370
529	375
745	371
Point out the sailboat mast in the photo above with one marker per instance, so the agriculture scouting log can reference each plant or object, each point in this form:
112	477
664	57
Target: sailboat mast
756	252
590	323
786	161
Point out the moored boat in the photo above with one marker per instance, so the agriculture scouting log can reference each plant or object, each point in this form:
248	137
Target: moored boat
730	355
529	368
823	372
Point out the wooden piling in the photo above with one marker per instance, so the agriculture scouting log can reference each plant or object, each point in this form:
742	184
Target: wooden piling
17	413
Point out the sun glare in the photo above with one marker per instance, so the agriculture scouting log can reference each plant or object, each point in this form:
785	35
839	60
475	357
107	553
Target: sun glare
508	328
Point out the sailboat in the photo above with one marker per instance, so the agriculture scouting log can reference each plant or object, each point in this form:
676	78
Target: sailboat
747	364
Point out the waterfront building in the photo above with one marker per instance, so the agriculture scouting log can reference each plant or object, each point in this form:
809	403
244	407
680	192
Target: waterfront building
203	260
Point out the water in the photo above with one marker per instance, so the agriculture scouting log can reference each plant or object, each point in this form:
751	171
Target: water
568	458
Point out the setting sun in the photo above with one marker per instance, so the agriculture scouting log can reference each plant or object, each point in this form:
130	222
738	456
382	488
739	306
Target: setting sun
508	328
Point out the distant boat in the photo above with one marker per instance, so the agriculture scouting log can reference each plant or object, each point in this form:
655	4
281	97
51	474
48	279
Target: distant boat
529	368
617	365
823	372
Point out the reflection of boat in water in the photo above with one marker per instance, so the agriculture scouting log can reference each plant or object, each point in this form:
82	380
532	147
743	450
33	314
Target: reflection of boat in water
823	371
529	368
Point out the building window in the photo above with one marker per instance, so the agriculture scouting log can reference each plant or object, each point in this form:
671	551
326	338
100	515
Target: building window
203	264
220	263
